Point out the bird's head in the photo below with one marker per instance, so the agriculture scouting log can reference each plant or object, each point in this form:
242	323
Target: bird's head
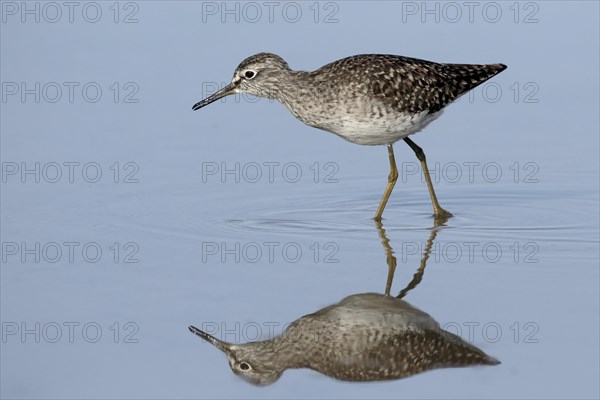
250	361
258	75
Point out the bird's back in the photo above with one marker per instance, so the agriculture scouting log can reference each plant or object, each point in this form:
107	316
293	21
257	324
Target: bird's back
408	84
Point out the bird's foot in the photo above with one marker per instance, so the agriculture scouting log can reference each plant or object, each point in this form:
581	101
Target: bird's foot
441	216
440	212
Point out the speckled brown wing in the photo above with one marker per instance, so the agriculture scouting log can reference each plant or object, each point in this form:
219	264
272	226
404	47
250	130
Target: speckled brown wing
409	84
408	354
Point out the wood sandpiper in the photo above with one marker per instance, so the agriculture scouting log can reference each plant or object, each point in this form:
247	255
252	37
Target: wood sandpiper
370	99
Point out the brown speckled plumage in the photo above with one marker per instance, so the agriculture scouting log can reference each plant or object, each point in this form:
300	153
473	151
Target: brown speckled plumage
410	84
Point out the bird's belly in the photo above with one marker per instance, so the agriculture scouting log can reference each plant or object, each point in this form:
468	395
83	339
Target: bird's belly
376	130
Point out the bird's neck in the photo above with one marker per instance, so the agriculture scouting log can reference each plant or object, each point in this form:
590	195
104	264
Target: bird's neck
286	352
281	86
296	90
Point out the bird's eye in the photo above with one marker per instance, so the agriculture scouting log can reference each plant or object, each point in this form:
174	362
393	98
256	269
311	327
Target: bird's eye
244	366
249	74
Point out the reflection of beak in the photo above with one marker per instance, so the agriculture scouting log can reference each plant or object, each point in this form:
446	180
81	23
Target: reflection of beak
223	346
227	90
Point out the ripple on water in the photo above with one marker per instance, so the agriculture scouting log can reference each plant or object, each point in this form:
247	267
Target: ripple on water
531	215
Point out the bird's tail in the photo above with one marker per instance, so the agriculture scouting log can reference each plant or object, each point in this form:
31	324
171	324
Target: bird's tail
469	76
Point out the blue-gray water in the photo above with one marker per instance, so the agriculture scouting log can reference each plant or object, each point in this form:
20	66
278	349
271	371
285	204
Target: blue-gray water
240	219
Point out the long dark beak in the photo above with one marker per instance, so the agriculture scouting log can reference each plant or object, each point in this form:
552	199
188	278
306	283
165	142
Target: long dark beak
219	344
227	90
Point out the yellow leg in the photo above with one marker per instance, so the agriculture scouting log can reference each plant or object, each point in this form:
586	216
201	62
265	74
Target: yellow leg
438	211
392	178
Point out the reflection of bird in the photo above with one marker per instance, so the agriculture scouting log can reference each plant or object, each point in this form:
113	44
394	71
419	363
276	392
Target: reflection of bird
365	337
366	99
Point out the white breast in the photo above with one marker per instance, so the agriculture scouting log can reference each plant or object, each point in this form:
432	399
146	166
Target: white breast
379	130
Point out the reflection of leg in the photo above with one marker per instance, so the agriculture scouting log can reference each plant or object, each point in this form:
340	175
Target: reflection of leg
438	211
390	258
418	276
392	178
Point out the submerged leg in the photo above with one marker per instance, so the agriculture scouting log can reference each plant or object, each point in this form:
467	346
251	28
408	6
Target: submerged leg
438	211
392	178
